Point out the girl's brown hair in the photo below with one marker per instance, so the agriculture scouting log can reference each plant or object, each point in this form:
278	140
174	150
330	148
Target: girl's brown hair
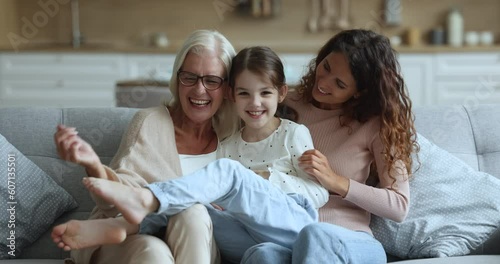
381	87
260	60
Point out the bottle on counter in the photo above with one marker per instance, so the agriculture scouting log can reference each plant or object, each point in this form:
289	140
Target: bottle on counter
455	27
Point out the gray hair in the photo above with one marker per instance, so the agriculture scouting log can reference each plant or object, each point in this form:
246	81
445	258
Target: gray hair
225	121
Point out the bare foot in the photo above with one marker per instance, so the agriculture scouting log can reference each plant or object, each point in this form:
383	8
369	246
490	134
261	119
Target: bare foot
82	234
133	203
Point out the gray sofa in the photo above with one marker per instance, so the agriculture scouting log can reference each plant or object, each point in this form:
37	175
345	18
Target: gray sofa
31	131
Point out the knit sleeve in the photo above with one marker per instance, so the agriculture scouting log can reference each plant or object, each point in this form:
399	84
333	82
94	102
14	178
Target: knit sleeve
390	198
147	153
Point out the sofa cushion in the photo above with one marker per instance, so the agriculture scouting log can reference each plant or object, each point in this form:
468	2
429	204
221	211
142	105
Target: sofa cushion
484	259
30	198
453	209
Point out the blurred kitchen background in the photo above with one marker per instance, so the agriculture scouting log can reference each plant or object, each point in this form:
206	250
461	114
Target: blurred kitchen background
120	52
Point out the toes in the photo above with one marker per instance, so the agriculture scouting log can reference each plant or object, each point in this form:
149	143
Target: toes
86	182
58	232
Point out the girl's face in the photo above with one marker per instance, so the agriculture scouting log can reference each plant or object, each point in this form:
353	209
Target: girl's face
199	104
256	99
334	81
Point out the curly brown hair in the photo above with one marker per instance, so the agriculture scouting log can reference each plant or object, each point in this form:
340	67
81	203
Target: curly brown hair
381	87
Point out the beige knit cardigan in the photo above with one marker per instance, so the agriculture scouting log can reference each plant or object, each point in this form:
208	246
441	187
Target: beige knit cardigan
147	153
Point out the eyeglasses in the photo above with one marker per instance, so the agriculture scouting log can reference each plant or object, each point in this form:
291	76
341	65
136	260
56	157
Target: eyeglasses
211	82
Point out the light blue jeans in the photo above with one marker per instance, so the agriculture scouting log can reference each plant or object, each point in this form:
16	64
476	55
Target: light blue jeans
255	210
321	243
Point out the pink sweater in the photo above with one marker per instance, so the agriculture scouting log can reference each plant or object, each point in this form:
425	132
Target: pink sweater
350	151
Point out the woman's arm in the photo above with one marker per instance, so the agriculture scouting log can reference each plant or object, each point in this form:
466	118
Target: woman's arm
389	199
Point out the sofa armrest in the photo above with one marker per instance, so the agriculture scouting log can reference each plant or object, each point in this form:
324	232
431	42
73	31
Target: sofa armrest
491	246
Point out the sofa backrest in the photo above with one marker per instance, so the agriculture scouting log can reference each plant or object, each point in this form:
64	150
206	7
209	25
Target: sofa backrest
31	131
471	133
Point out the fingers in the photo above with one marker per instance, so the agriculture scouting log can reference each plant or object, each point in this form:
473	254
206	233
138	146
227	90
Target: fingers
312	158
63	133
67	142
314	163
314	152
69	148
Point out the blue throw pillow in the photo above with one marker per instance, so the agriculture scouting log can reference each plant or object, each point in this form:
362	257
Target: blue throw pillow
30	201
453	209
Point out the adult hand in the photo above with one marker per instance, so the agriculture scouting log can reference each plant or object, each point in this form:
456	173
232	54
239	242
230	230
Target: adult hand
316	165
72	148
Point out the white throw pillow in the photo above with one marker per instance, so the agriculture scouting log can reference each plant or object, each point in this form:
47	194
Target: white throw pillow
453	209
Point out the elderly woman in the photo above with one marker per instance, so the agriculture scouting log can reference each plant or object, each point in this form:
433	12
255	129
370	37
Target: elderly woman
161	141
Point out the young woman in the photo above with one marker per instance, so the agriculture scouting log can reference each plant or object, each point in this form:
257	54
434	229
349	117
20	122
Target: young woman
354	102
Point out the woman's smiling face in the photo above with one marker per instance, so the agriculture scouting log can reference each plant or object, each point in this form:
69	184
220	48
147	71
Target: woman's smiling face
334	83
199	104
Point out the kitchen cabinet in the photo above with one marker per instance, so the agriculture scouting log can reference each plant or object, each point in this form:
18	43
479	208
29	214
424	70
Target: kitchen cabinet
452	78
156	66
73	79
159	67
418	76
470	78
67	79
86	80
59	79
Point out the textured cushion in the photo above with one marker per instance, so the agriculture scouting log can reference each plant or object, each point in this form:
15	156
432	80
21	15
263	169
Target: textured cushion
30	201
453	209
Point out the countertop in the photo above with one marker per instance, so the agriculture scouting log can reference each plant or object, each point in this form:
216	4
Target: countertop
280	47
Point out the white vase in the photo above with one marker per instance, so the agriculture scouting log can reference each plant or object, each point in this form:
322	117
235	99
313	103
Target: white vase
455	28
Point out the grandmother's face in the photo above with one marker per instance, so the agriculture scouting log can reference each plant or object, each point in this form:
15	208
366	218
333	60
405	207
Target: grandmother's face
198	103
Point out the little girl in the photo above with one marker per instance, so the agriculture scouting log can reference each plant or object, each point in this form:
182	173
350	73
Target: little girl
271	208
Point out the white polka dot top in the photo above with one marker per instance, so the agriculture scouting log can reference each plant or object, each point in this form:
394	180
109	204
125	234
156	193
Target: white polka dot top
278	154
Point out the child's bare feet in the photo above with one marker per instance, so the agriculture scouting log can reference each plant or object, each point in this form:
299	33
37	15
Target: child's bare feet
133	203
82	234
